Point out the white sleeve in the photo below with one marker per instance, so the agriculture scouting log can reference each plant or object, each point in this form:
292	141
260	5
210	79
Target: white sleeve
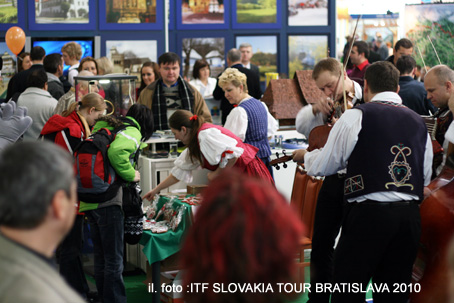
183	167
342	140
237	122
71	74
218	148
273	125
306	121
428	159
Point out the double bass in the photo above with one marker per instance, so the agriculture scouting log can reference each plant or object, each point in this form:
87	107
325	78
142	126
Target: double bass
432	265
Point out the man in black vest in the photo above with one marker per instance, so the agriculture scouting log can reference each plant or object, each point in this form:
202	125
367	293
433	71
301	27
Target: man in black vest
387	168
252	81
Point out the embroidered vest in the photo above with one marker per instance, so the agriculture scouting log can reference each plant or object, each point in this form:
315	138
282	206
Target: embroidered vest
249	151
389	154
257	127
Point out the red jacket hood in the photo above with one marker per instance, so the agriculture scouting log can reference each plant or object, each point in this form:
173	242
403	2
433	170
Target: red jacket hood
58	123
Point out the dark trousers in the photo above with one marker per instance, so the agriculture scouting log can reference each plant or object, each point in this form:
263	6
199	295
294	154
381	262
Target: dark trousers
378	242
70	259
107	233
268	166
327	222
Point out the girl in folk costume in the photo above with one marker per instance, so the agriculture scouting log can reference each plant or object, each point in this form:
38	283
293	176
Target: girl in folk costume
68	130
210	146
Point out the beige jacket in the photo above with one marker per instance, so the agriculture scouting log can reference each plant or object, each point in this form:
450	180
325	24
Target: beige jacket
200	107
27	278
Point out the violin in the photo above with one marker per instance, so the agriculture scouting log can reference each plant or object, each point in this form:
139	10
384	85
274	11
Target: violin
285	158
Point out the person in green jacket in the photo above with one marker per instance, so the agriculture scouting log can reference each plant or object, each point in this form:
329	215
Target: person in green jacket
106	219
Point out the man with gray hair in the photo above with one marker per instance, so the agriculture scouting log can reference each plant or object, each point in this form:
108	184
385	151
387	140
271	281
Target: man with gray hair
246	55
253	83
34	221
439	86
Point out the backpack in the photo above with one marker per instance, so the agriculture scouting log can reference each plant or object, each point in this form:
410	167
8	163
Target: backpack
97	180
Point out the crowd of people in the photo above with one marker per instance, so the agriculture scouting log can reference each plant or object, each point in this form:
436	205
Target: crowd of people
373	204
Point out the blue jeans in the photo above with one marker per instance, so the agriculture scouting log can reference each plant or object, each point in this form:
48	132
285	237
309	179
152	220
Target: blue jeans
107	233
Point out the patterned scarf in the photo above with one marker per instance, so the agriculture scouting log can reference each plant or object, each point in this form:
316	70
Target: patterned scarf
159	106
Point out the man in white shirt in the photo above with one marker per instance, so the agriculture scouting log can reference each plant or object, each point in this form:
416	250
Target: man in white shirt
387	168
328	215
38	101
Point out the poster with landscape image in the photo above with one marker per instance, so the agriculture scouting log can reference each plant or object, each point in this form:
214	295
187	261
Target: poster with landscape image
8	11
256	11
264	49
431	28
305	51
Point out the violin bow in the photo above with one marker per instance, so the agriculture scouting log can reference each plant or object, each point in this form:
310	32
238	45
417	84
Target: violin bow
420	55
344	67
430	40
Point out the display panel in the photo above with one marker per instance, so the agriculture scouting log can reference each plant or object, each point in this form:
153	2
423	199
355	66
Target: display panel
307	12
304	51
200	14
61	15
54	45
131	15
264	49
259	15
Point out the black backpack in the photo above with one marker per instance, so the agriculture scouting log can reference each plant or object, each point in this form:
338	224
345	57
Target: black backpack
97	180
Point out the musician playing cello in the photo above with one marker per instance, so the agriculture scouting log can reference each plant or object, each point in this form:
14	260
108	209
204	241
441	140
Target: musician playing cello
328	212
387	168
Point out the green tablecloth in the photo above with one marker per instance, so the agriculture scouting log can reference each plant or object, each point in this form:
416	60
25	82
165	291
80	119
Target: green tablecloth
158	247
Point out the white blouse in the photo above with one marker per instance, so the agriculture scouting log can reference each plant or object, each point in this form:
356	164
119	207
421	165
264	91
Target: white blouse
237	121
449	135
213	144
205	91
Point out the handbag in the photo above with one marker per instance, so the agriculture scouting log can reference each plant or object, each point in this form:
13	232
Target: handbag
133	212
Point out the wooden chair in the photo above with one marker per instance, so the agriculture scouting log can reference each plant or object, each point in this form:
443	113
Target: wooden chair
304	199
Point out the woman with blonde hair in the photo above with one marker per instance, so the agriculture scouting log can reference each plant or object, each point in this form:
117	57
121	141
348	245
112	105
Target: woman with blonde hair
68	130
250	119
210	146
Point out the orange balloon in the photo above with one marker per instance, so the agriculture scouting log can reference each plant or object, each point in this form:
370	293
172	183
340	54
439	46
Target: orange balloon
15	39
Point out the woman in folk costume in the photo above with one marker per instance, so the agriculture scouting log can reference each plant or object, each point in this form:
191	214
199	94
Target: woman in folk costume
210	146
250	119
68	130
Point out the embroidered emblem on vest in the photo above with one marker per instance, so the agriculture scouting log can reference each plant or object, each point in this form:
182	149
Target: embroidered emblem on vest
353	184
399	169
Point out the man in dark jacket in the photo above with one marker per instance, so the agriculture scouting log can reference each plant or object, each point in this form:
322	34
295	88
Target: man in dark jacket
402	47
53	64
412	92
253	83
19	81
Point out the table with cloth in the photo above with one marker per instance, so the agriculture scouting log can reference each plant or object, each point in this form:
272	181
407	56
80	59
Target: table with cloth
158	247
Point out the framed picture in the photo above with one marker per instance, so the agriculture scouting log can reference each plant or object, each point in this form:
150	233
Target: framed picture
12	13
62	15
131	15
212	14
304	51
9	66
210	49
128	56
429	27
264	52
307	12
249	14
